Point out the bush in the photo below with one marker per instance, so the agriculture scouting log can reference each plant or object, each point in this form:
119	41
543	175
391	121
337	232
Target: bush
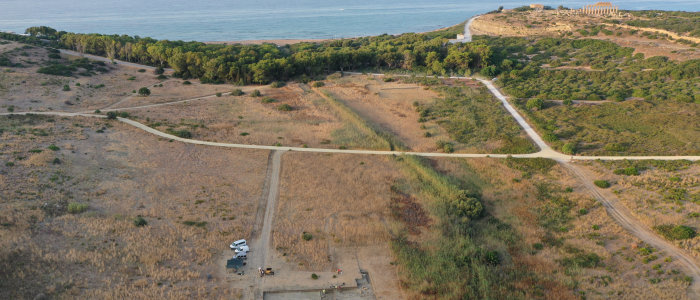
111	115
76	208
142	70
140	221
318	84
162	77
534	103
582	260
603	184
569	148
218	94
268	100
255	93
181	133
66	88
159	71
465	206
306	236
53	147
186	82
446	147
492	258
388	79
277	84
285	107
195	223
314	276
675	232
629	171
54	56
237	92
144	91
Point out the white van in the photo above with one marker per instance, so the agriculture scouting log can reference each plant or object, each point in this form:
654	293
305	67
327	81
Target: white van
237	244
243	248
241	255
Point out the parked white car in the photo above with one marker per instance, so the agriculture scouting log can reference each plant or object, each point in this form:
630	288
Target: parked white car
243	249
237	244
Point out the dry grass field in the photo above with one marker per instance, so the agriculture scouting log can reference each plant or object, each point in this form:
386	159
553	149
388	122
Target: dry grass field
248	120
68	212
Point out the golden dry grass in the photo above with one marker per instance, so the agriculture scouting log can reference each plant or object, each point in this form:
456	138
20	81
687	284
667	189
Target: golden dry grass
121	173
342	200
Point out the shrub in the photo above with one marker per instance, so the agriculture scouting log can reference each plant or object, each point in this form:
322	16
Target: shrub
569	148
77	84
675	232
162	77
277	84
244	133
445	146
53	147
314	276
140	221
142	70
159	71
629	171
388	79
306	236
181	133
582	260
195	223
534	103
285	107
111	115
76	208
186	82
465	206
268	100
492	258
66	88
144	91
237	92
218	94
255	93
318	84
603	184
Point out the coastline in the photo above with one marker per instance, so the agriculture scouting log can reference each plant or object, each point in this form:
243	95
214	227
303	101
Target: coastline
284	42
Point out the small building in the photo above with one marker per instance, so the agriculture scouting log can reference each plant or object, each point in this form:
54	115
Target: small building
460	36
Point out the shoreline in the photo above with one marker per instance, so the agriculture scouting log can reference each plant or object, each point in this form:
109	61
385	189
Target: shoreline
284	42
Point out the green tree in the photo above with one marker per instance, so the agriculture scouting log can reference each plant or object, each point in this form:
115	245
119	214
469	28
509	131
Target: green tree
144	91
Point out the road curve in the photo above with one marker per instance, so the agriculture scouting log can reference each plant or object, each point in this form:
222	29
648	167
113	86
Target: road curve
542	154
626	220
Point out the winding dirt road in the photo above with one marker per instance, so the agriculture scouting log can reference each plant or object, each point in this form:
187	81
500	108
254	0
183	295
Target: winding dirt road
260	246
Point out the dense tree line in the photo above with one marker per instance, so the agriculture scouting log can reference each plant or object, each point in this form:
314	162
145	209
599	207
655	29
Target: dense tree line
428	53
586	69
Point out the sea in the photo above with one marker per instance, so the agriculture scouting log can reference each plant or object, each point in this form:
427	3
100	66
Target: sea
234	20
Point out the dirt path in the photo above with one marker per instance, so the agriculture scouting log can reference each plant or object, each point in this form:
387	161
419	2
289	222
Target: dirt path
264	219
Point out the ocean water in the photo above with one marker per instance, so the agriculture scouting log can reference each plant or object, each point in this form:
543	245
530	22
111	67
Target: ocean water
228	20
